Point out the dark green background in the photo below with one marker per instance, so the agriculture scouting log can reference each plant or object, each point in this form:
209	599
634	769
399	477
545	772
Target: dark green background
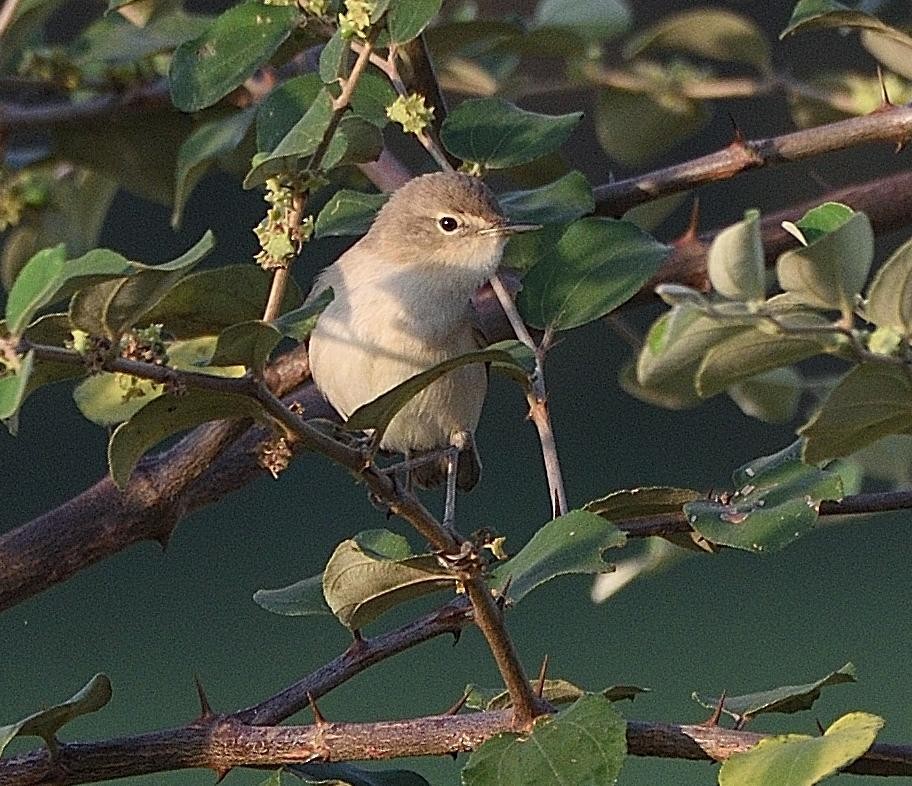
152	620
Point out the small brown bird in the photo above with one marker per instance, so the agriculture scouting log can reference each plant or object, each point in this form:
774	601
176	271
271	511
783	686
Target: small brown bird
402	305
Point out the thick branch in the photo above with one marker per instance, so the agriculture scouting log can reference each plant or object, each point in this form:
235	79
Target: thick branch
892	125
221	743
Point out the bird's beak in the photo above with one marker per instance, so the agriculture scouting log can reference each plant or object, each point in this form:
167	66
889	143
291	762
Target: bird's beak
510	229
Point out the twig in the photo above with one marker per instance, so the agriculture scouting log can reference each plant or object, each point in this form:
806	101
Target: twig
6	15
281	274
889	125
537	397
221	743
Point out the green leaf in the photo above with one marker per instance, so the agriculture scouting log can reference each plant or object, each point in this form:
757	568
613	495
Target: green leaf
815	14
871	401
169	415
713	33
201	149
819	221
798	760
831	270
405	19
48	277
599	264
348	213
375	571
497	134
772	396
636	127
785	699
651	215
646	501
283	107
894	52
340	774
46	723
776	501
526	249
301	599
573	543
583	744
755	350
109	399
122	303
239	41
207	302
372	95
590	19
735	260
555	203
331	57
554	691
889	299
247	344
14	386
299	324
852	93
379	413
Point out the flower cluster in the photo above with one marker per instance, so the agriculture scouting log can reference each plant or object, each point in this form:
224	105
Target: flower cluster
411	113
279	240
356	20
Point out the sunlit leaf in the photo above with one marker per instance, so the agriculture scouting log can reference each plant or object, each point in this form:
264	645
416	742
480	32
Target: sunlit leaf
889	298
785	699
812	14
894	52
585	744
375	571
646	501
712	33
573	543
798	760
496	134
871	401
775	502
244	37
14	386
831	270
735	260
168	415
46	723
599	264
818	221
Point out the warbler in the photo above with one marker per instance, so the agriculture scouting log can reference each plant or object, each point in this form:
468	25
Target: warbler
402	305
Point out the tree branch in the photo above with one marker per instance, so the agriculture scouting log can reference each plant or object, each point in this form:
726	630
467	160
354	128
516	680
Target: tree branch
893	124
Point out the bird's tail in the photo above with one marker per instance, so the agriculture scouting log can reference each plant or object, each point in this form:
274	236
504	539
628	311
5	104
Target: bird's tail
434	472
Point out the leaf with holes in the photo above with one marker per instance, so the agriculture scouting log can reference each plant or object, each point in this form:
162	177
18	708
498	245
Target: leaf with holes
599	264
375	571
636	503
775	502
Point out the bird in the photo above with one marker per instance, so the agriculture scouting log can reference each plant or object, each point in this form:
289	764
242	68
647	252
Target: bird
402	304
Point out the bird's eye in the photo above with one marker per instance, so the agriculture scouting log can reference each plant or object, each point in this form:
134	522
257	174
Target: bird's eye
448	224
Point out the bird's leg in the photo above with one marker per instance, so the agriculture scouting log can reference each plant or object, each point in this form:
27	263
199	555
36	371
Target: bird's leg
458	442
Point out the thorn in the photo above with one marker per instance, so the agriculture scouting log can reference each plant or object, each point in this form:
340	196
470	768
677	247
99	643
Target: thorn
457	634
739	137
358	643
205	708
459	704
221	772
501	599
713	720
541	676
817	720
885	102
164	539
319	720
689	235
454	755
